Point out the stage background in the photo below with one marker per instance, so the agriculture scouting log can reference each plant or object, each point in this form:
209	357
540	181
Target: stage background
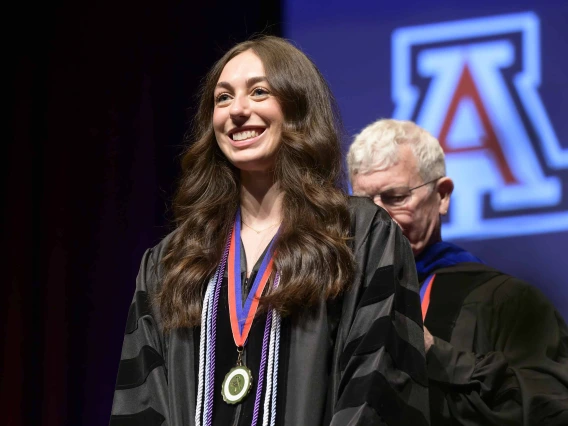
506	134
99	95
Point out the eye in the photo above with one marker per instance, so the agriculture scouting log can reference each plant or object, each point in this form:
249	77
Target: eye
260	92
222	98
393	199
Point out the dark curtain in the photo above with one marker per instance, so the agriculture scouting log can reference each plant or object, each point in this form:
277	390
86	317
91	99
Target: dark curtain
99	96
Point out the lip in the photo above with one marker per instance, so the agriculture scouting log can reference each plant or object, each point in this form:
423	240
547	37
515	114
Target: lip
246	142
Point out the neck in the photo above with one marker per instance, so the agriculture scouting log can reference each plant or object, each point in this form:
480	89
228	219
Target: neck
261	199
436	237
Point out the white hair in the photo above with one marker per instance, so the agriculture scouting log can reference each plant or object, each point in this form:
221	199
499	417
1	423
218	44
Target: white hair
377	148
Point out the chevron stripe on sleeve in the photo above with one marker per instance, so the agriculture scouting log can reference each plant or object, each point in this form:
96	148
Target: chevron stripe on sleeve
140	397
383	366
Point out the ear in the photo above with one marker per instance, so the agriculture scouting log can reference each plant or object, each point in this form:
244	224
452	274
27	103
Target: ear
444	187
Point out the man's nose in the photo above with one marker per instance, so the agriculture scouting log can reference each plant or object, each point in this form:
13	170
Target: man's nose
377	200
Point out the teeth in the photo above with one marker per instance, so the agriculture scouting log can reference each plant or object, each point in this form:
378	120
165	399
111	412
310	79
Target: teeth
240	136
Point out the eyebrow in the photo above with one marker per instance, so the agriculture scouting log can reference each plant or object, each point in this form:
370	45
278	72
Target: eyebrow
390	188
249	82
375	191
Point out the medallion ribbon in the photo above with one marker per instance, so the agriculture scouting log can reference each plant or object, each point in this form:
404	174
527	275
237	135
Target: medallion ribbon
243	316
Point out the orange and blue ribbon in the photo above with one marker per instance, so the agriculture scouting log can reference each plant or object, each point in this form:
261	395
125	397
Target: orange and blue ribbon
425	295
243	316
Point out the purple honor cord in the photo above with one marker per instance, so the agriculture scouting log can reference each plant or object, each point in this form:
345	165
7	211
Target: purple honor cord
210	397
212	322
262	367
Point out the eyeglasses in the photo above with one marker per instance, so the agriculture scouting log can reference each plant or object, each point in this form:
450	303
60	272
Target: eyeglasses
397	197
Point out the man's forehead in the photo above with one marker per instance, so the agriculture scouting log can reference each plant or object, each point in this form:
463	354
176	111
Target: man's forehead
378	181
381	180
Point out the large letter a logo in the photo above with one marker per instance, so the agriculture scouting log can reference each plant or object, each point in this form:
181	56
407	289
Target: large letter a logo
473	84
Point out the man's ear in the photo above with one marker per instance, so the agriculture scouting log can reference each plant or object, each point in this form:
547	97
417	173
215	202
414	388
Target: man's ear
444	187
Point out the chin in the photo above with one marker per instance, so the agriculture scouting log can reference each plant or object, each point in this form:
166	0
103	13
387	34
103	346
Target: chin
263	164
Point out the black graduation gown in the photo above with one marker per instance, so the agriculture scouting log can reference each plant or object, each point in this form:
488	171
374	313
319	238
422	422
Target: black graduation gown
356	361
500	353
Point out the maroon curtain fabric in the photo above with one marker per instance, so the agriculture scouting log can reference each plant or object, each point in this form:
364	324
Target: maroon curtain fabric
99	95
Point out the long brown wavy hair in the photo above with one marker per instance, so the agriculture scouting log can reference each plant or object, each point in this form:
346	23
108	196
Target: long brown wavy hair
311	250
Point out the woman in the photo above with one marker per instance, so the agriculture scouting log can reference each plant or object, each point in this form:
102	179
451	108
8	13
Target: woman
277	299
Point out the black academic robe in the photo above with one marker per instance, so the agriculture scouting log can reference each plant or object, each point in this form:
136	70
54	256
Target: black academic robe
358	360
500	353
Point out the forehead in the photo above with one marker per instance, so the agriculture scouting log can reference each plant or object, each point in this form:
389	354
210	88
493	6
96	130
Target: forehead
403	173
242	66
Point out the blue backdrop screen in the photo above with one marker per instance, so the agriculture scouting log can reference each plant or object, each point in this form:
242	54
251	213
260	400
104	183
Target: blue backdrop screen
490	82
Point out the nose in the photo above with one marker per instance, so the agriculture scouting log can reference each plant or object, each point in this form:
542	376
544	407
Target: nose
240	108
377	200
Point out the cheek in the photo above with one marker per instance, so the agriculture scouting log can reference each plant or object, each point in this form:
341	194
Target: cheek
430	212
277	137
405	213
403	218
274	114
218	121
274	139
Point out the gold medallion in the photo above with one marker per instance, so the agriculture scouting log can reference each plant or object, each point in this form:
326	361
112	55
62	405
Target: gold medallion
236	385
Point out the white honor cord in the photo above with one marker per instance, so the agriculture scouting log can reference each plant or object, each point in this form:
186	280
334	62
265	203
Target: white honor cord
273	347
208	346
202	343
276	321
201	409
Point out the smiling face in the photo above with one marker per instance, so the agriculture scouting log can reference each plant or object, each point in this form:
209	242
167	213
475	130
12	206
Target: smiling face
419	214
247	118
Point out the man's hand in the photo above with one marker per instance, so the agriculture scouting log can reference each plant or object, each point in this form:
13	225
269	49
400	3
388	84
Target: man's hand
428	340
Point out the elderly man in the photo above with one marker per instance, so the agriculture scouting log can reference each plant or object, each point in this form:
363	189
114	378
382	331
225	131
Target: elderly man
496	349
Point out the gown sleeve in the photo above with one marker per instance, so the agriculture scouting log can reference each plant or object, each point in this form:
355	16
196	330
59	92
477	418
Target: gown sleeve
141	393
383	378
524	381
